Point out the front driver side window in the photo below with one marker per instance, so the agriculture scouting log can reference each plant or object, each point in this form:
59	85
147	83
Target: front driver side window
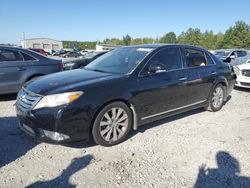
170	58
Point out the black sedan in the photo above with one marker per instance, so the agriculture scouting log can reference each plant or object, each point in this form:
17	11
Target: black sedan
71	54
121	90
18	66
85	60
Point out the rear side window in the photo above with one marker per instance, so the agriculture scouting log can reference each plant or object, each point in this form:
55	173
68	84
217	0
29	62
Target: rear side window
169	57
241	53
209	60
27	57
10	55
194	58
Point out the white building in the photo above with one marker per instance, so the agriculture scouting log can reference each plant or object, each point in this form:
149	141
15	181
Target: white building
106	47
42	43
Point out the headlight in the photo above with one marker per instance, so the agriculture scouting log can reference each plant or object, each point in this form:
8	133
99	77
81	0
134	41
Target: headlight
58	99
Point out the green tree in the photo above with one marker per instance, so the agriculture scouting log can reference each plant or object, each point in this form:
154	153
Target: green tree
113	41
127	40
191	36
219	41
168	38
237	36
209	40
147	40
137	41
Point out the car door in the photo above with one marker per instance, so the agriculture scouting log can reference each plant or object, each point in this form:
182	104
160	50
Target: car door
201	74
163	90
12	70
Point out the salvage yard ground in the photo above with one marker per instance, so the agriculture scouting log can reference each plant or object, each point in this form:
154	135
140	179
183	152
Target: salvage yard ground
195	148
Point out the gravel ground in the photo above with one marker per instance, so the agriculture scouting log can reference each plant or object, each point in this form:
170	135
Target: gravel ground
197	148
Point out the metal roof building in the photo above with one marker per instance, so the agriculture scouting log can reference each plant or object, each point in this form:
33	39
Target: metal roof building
47	44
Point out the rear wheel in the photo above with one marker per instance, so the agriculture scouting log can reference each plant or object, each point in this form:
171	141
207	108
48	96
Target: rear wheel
112	124
216	99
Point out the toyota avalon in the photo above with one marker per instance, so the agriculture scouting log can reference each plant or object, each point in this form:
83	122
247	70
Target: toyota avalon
122	90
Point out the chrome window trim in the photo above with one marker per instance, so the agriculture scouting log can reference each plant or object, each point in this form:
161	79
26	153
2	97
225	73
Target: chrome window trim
161	113
35	59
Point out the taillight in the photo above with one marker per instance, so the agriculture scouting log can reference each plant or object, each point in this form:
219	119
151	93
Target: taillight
60	66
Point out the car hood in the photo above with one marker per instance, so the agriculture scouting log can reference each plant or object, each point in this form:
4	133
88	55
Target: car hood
244	66
67	81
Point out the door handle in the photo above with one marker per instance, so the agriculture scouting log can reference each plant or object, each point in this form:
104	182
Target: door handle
21	69
213	73
183	78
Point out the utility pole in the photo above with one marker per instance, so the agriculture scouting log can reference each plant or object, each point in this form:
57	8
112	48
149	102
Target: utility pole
24	42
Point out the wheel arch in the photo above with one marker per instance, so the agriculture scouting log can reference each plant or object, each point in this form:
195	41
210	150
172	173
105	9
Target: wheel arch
129	105
224	83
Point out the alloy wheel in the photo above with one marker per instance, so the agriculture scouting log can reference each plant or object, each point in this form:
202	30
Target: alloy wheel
218	96
114	124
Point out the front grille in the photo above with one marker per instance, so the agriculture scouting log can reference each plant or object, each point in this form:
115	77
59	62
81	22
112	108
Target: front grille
26	100
245	84
246	73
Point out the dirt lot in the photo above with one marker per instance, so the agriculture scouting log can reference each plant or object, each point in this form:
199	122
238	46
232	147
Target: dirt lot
197	148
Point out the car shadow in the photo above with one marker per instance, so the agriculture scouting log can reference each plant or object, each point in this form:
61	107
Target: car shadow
62	180
8	97
13	142
227	173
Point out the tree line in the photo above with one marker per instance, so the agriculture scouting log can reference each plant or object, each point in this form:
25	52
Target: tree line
236	36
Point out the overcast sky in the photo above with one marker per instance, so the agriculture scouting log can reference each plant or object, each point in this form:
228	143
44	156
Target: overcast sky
91	20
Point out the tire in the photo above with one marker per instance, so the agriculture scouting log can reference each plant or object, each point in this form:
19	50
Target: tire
116	120
216	99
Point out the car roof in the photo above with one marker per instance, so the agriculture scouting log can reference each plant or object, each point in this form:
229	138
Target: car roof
24	50
162	45
231	49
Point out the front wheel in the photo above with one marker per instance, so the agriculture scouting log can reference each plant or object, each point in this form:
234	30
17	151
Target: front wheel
216	99
112	124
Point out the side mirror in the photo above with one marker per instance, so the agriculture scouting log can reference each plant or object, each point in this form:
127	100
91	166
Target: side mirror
232	57
156	68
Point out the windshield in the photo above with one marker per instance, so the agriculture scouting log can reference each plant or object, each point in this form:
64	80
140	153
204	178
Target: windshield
222	53
121	60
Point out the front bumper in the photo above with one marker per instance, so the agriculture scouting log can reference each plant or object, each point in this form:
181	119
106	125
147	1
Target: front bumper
52	125
243	81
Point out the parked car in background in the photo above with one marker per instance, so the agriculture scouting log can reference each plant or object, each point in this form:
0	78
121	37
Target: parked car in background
121	90
72	54
243	75
77	63
39	50
233	56
83	52
60	53
18	66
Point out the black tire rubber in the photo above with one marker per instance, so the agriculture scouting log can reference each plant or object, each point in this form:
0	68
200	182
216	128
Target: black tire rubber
95	130
210	106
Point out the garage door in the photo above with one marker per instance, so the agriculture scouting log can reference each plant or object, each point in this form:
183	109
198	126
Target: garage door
55	47
36	45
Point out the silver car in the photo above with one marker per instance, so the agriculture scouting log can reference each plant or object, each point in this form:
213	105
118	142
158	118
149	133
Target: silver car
233	56
18	66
